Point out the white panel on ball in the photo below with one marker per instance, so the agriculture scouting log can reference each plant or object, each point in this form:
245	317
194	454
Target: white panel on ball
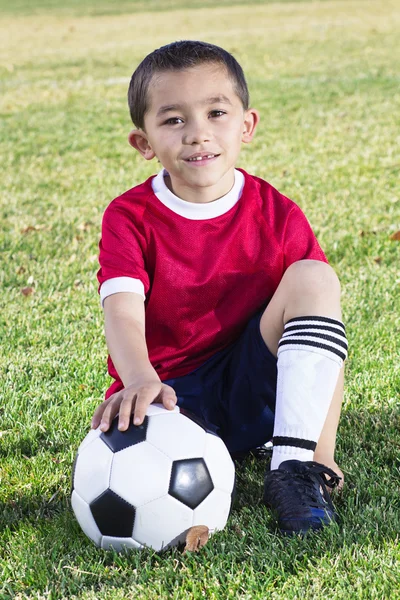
85	518
92	435
161	522
213	511
140	473
158	409
92	470
119	544
177	436
219	463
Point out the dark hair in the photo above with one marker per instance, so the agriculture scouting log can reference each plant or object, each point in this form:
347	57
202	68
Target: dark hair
177	56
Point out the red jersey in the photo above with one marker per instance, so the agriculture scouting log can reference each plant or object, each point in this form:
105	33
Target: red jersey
204	270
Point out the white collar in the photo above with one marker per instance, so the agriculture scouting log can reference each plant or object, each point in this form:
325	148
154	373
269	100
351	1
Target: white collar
194	210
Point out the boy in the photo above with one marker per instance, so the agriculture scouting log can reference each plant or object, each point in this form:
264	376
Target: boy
215	291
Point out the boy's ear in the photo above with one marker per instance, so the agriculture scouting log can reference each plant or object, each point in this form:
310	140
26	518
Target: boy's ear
251	120
138	140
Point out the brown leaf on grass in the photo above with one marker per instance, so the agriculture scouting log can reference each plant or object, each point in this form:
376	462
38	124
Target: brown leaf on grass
27	291
395	237
196	538
378	260
30	228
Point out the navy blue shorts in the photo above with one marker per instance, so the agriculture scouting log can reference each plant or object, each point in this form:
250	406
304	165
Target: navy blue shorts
234	390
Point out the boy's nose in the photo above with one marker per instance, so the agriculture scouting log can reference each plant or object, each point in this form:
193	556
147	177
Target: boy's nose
196	133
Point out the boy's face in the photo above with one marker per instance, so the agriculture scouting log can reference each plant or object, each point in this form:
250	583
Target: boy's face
195	126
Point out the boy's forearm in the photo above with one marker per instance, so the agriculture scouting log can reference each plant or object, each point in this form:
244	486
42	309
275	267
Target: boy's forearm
127	346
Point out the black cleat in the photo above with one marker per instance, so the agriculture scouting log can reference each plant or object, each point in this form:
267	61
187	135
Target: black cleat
297	492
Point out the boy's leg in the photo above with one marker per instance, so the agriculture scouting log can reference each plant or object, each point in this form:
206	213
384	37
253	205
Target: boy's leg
302	326
325	450
308	288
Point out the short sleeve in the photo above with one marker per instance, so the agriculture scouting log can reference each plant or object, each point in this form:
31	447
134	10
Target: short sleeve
299	239
122	248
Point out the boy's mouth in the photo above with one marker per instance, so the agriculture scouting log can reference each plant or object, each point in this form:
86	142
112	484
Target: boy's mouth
201	157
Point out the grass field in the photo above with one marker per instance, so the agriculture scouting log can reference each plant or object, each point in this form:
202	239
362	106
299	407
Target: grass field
325	76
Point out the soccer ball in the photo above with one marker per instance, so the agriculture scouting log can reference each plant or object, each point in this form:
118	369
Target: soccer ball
149	485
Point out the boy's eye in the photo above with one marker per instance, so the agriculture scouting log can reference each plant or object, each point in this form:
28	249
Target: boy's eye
217	113
173	121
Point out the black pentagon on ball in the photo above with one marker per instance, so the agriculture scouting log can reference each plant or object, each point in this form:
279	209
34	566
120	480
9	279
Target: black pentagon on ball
114	516
119	440
190	481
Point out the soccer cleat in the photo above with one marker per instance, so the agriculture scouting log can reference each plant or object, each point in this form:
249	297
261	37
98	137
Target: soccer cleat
297	492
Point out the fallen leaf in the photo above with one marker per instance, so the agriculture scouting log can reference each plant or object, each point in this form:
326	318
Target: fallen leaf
27	291
30	228
395	237
196	538
378	260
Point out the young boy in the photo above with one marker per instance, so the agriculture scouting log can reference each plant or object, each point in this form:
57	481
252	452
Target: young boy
216	293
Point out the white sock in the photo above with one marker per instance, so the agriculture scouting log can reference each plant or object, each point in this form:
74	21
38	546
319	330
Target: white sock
311	353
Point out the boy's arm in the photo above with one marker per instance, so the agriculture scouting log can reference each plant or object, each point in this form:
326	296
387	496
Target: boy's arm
125	335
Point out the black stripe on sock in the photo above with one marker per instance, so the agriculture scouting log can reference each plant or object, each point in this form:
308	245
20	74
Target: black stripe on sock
327	338
319	327
321	319
292	342
295	442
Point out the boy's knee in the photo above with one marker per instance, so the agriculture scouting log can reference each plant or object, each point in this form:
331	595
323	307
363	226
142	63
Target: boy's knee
313	275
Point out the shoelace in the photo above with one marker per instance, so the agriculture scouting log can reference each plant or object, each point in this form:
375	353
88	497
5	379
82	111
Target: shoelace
322	470
303	489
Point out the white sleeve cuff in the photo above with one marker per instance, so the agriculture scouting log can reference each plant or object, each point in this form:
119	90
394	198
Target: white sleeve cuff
121	284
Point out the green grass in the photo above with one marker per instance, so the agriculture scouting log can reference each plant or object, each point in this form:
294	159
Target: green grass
325	78
108	7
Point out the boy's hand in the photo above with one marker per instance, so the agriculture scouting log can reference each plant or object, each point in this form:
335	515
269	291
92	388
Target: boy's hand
135	398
